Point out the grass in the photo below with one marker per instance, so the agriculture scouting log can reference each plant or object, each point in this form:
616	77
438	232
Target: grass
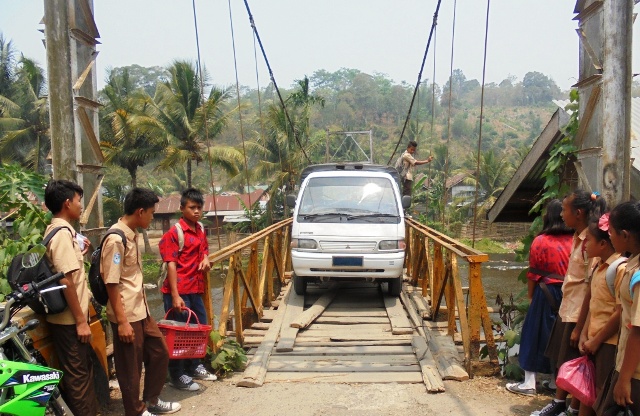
150	267
488	246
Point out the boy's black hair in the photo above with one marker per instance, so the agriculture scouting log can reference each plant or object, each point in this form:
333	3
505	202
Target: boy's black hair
626	216
412	143
191	194
552	223
58	191
139	198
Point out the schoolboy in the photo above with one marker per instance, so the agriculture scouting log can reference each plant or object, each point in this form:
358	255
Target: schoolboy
70	328
136	337
187	270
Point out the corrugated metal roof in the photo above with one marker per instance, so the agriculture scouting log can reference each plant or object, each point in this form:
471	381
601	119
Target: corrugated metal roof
224	203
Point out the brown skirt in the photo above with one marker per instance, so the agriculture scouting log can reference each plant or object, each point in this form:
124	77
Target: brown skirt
559	350
604	403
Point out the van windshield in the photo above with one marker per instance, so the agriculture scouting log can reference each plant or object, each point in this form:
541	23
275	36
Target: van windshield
353	199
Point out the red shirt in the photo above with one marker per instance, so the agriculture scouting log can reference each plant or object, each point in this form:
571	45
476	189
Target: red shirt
195	248
551	254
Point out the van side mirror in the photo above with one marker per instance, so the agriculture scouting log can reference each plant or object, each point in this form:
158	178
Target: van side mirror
291	200
406	201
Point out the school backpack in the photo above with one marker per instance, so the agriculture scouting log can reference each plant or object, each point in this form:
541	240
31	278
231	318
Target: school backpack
51	302
401	167
162	275
611	273
96	282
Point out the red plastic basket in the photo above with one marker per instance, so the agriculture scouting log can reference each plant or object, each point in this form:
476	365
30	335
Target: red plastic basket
185	340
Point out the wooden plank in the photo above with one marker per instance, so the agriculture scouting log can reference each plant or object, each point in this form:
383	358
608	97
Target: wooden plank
87	127
305	318
352	359
256	371
259	325
430	374
267	315
349	320
421	304
343	366
331	312
368	337
251	332
288	333
347	378
447	358
358	349
399	322
362	327
329	343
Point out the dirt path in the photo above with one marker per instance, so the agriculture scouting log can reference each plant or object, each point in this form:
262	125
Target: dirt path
480	396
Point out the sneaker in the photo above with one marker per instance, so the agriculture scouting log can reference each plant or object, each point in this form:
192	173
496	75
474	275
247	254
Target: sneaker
164	408
147	413
570	412
184	382
201	373
552	409
516	388
546	385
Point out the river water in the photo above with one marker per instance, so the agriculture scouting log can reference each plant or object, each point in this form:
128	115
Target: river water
499	277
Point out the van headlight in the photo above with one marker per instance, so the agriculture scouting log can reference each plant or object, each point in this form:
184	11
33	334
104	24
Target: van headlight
392	245
304	243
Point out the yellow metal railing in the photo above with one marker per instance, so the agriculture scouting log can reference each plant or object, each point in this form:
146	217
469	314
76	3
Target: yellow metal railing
432	263
254	271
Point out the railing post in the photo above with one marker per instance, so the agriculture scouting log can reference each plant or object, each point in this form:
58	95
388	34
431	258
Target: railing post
226	297
450	294
237	306
478	314
438	279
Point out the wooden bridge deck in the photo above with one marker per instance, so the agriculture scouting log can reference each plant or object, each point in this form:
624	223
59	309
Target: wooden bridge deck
349	333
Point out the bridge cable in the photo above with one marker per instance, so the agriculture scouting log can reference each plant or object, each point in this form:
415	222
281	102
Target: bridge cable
415	90
446	159
433	111
244	150
262	135
273	80
484	67
206	129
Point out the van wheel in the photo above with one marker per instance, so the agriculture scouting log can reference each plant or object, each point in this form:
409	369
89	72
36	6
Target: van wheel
395	286
299	285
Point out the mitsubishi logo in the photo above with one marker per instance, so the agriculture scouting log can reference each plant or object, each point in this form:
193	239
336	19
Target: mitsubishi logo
348	246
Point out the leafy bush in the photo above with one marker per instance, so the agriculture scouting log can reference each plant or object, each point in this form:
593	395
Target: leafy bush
227	355
18	188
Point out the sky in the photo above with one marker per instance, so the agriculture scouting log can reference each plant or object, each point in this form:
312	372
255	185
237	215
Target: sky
302	36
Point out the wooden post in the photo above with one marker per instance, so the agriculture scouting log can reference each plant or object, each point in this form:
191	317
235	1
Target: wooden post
616	96
226	297
237	307
63	145
438	277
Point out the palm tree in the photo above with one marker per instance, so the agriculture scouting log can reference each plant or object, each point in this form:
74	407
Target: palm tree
494	174
24	121
179	111
302	99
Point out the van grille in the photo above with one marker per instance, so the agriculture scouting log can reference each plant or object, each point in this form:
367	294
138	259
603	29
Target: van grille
355	246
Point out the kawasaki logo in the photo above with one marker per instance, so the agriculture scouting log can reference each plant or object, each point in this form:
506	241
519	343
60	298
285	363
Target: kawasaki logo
28	378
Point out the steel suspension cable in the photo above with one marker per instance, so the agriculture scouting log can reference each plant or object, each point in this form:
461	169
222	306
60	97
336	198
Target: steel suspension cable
446	159
244	150
415	90
484	68
273	80
433	109
206	129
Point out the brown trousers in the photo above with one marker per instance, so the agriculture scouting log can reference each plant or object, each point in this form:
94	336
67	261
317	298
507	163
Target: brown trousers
74	358
407	187
148	347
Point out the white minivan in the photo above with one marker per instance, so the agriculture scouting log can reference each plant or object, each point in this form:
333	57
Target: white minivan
348	223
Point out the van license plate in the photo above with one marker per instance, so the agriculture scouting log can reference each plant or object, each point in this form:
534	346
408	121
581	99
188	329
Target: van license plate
347	261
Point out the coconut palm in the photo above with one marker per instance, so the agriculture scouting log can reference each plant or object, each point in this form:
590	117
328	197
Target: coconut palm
179	111
494	174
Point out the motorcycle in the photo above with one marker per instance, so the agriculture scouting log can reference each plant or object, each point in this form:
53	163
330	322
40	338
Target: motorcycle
27	385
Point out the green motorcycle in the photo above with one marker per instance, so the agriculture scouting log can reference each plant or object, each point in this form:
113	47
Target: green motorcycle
27	386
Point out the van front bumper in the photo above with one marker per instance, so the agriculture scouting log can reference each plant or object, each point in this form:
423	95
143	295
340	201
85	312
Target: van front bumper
373	266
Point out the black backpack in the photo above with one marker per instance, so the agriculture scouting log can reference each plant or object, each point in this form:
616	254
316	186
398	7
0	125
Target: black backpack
96	282
49	302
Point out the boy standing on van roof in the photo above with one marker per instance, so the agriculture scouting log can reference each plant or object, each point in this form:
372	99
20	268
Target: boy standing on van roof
187	268
136	339
70	328
408	162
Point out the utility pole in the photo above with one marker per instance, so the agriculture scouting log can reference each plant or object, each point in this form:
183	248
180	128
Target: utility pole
70	39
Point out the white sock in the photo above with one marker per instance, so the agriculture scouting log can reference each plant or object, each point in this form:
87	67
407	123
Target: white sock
529	380
571	410
558	401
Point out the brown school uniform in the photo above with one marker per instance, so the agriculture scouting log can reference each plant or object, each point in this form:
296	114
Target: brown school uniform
64	253
124	267
630	317
601	307
574	288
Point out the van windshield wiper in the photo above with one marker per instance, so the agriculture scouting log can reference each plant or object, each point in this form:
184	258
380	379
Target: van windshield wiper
322	214
372	215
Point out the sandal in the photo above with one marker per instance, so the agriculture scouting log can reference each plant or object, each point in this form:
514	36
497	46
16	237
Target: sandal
515	388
